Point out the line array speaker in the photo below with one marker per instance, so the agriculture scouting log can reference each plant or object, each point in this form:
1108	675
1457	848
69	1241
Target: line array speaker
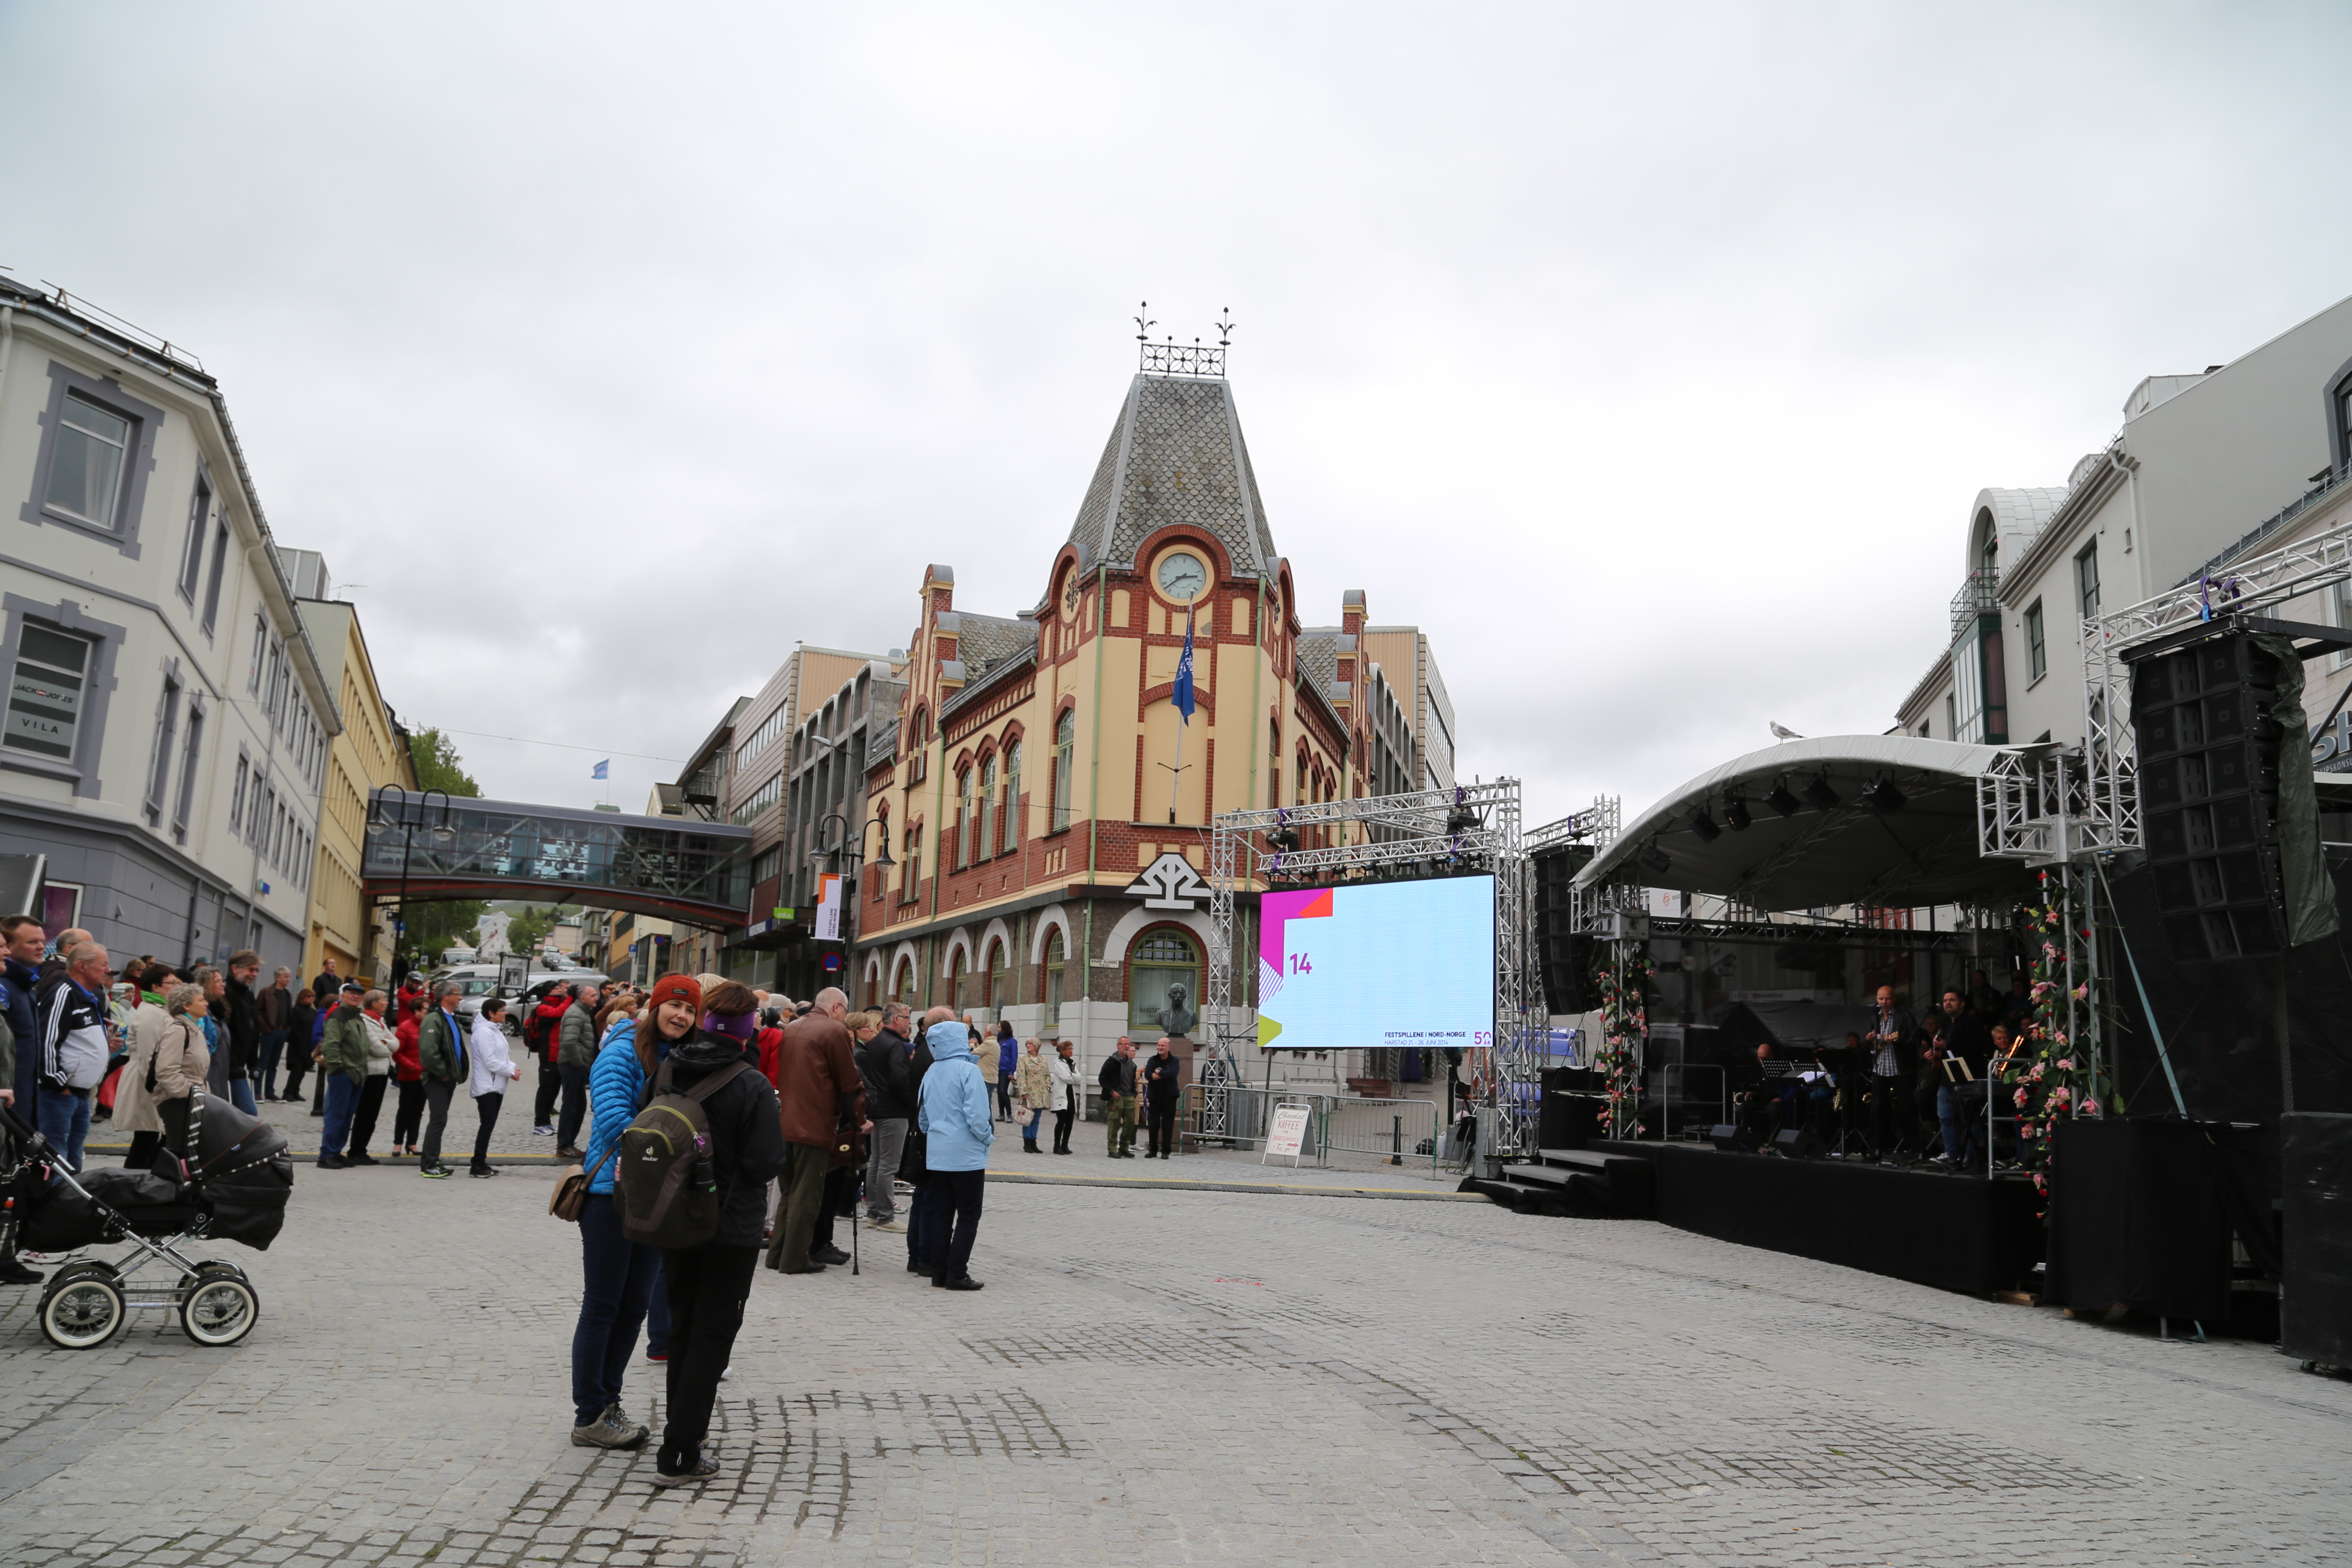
1565	957
2208	795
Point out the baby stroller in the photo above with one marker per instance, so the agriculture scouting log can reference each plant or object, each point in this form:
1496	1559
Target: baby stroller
232	1182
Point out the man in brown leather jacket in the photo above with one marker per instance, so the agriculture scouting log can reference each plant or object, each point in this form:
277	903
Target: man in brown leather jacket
819	1090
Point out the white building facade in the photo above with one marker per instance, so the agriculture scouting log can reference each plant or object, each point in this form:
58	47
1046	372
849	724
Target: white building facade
168	723
2208	467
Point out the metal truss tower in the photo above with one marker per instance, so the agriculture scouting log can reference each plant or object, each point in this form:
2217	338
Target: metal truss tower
1469	827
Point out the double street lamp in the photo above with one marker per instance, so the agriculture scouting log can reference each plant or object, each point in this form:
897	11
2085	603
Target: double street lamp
411	816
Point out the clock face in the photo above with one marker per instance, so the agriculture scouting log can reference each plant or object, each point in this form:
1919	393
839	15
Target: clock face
1181	575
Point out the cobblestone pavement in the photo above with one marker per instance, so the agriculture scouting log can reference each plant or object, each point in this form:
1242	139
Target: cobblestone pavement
1167	1377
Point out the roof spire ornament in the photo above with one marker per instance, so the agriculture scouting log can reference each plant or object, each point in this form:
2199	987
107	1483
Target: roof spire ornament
1172	358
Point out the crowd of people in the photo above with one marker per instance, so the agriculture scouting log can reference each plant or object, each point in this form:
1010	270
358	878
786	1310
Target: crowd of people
1903	1088
835	1110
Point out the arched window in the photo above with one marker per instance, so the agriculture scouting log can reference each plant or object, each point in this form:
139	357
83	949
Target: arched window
914	886
874	881
1161	959
1013	823
1066	749
906	981
985	844
963	819
963	983
995	995
1055	960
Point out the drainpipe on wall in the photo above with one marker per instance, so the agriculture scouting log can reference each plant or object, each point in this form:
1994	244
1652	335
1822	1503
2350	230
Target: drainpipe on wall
1093	785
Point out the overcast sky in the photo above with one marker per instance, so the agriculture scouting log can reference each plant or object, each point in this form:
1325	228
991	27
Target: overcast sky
1647	357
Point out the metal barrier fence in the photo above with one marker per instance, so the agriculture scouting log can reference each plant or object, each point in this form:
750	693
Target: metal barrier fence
1401	1131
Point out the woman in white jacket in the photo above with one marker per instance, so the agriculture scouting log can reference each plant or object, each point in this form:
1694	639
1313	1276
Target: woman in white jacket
493	1070
1065	1071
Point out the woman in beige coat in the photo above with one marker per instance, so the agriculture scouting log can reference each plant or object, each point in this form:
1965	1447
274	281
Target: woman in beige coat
179	1064
135	1107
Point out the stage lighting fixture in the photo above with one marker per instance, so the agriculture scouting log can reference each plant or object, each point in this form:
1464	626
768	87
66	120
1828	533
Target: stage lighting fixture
1703	825
1820	792
1461	819
1654	857
1781	800
1734	811
1282	840
1880	794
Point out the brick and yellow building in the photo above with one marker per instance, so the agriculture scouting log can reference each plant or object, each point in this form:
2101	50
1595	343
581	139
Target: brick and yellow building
1034	768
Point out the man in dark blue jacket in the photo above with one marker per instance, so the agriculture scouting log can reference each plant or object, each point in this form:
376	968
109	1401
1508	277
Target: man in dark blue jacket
21	939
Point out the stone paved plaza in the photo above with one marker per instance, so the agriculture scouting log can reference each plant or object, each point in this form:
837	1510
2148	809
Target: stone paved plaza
1164	1376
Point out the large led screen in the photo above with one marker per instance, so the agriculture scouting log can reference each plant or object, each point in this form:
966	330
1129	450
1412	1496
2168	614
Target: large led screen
1389	964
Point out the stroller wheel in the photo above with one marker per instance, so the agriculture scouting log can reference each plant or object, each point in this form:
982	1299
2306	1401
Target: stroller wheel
218	1307
82	1307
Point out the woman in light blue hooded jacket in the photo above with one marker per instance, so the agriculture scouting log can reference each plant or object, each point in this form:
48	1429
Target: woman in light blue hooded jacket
953	1113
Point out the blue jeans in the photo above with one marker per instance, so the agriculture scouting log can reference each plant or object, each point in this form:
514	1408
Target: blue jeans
240	1094
65	1122
343	1100
619	1284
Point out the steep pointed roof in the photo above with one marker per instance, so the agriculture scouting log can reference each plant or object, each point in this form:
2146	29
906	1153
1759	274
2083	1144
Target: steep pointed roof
1175	455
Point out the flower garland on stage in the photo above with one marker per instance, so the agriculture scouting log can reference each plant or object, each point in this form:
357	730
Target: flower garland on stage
2055	1079
1625	974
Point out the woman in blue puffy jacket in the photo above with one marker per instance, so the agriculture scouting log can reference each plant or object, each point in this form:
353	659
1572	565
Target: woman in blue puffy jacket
623	1279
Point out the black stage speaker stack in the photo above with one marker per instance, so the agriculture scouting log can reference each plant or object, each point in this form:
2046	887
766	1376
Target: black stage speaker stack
2315	1293
1731	1138
2208	788
1564	956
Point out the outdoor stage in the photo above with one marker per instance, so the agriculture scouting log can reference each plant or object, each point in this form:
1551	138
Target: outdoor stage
1953	1232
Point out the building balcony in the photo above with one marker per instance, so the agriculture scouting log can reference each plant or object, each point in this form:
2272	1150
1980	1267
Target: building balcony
1976	597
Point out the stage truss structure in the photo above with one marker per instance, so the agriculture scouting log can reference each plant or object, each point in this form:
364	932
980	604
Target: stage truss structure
2070	809
1467	828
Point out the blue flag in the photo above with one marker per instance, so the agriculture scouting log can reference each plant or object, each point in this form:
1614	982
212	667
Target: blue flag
603	770
1183	694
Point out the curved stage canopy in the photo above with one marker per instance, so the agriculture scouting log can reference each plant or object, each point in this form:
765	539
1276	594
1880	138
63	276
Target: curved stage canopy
1921	851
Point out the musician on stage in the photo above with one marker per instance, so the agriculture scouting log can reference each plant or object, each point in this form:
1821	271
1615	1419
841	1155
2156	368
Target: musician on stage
1764	1104
1891	1044
1966	1038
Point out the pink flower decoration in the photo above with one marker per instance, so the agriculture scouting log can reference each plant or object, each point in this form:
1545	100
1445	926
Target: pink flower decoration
2090	1107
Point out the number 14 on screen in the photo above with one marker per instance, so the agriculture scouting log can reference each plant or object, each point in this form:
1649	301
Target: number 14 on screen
1298	964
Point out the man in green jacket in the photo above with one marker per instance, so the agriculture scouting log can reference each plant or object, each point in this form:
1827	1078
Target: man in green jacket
575	1053
441	1052
343	1057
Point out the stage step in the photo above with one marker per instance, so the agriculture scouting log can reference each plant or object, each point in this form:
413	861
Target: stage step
1585	1192
1630	1180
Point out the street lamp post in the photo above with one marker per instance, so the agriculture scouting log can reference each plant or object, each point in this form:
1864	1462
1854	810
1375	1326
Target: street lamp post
442	831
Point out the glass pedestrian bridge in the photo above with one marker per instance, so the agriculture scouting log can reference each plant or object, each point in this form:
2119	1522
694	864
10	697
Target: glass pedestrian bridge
432	845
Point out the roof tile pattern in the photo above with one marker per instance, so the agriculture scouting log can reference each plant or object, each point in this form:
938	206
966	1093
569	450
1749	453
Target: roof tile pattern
1176	455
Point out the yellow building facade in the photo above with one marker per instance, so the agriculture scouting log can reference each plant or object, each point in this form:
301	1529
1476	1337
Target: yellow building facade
370	751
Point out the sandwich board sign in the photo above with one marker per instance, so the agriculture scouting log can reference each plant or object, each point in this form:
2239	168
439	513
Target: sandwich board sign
1285	1134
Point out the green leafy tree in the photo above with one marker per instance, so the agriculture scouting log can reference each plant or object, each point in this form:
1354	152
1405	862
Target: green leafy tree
527	932
439	766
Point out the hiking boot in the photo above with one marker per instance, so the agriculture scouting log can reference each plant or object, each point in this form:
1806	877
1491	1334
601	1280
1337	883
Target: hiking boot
612	1429
700	1471
830	1254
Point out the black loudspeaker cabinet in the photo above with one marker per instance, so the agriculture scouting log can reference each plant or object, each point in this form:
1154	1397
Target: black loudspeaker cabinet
1798	1143
1564	958
2315	1296
2209	796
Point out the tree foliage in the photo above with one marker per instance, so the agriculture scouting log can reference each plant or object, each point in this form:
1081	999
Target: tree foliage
439	766
527	932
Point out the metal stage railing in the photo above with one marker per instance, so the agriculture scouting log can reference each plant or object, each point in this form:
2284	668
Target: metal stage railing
1397	1132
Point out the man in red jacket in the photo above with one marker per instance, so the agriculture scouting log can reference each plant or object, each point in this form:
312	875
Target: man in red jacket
819	1090
539	1035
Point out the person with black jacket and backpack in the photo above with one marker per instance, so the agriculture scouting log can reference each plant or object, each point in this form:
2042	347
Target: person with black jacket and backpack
711	1279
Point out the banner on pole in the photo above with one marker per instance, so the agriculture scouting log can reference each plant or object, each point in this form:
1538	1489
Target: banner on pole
828	907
